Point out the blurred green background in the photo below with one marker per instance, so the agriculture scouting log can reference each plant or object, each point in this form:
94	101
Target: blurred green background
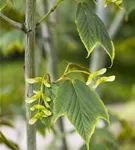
119	96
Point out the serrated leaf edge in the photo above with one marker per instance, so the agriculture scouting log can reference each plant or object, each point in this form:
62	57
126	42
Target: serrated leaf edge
93	128
90	51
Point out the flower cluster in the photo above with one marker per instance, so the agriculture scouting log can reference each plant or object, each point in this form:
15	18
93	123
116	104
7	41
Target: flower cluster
99	80
41	110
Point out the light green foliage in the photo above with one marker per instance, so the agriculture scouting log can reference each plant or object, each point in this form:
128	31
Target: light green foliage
93	75
3	3
92	30
128	5
38	80
75	68
42	110
81	105
116	2
72	98
103	79
15	42
50	92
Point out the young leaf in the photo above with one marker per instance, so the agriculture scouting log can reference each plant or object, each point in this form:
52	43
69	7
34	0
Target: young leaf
92	30
46	83
81	105
36	117
34	97
72	67
103	79
42	108
94	74
3	3
45	98
50	92
116	2
34	80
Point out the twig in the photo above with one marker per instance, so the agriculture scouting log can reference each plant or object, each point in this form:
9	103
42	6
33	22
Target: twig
46	15
11	22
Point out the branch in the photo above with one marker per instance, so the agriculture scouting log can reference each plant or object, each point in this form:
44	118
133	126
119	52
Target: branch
46	15
30	16
11	22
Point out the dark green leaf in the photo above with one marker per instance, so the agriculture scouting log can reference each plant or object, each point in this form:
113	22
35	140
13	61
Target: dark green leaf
92	30
81	105
40	128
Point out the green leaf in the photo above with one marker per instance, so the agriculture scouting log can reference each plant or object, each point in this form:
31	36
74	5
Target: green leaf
94	74
41	128
32	99
42	108
36	117
92	30
3	3
72	67
34	80
81	105
103	79
128	5
46	83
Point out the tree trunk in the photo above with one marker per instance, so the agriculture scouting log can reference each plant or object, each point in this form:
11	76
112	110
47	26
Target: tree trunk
30	68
